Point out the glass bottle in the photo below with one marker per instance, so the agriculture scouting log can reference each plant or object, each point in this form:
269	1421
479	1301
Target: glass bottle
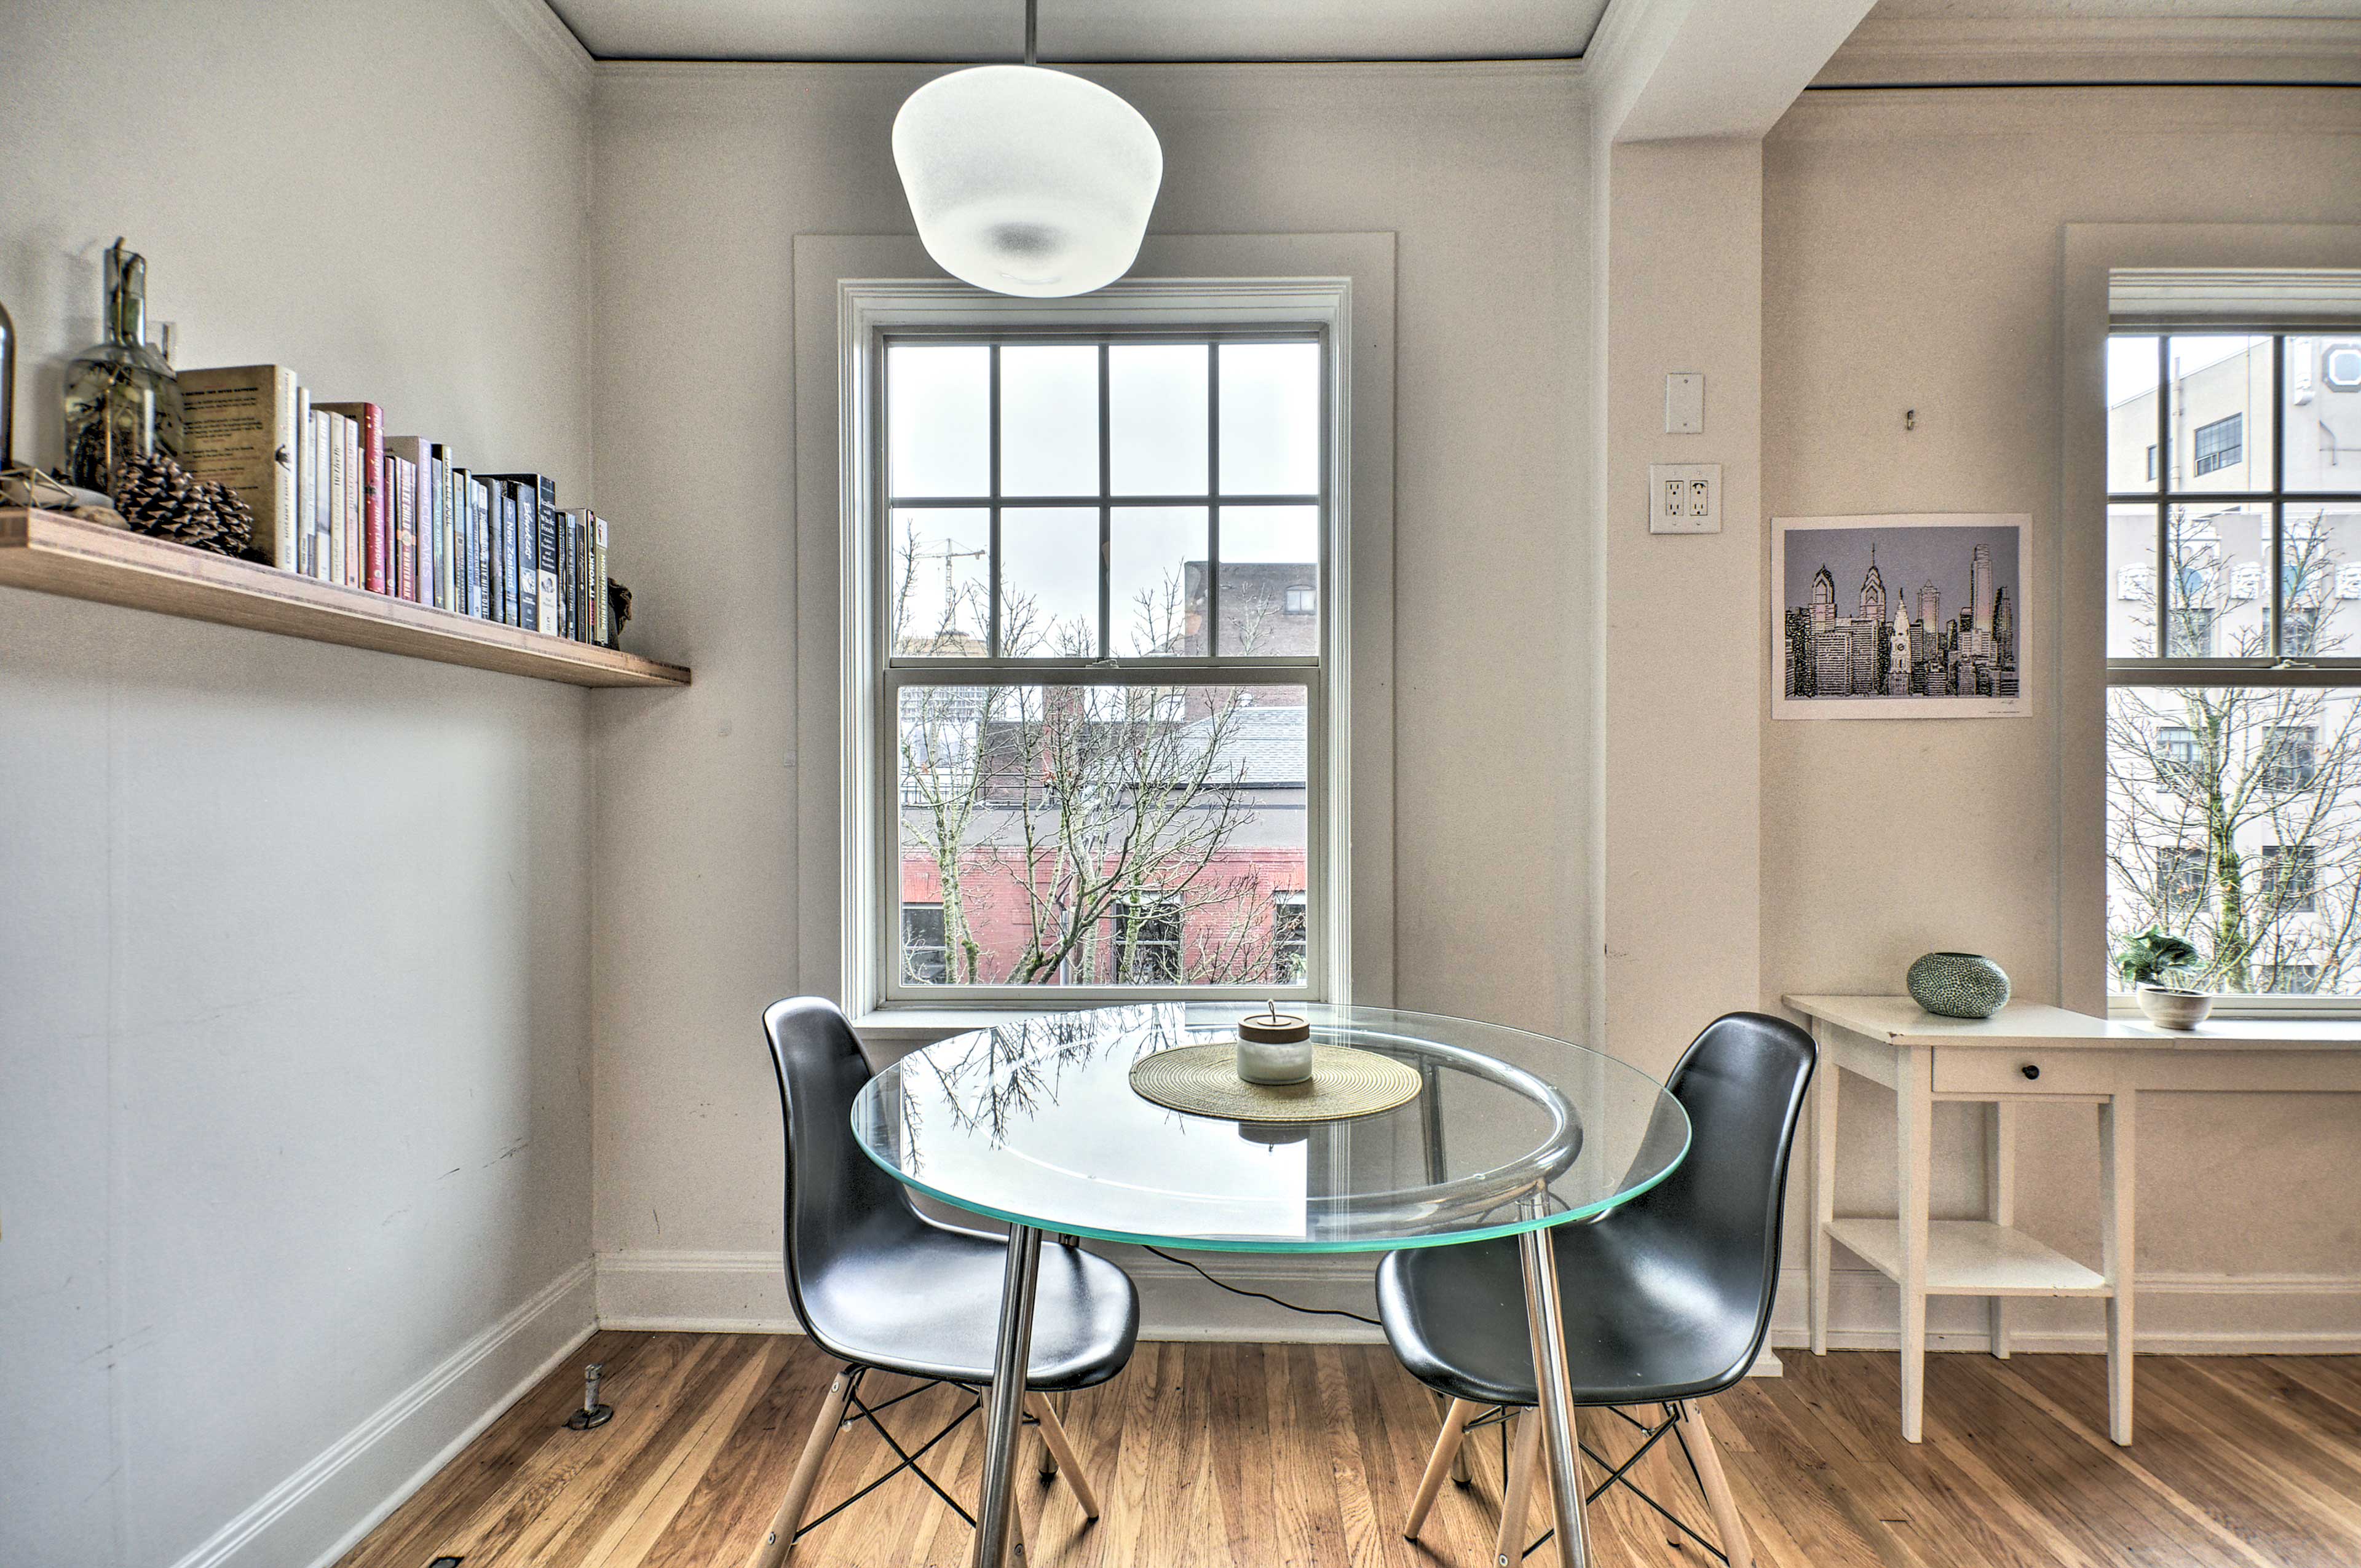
123	401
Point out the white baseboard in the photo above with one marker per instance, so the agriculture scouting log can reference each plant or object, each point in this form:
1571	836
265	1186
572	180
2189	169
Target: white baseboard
2179	1314
320	1512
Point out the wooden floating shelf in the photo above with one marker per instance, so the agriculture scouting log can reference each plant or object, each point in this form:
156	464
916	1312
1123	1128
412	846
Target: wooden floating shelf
60	555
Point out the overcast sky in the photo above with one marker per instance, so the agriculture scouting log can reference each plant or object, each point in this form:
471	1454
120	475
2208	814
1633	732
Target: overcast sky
1906	558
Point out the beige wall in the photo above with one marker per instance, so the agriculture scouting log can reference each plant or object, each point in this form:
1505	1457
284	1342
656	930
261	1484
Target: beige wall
1911	259
1682	293
705	175
294	938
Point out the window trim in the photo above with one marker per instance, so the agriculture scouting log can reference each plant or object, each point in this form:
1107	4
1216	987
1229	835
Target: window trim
847	286
2100	260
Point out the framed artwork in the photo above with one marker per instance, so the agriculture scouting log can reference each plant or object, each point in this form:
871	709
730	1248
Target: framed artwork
1905	615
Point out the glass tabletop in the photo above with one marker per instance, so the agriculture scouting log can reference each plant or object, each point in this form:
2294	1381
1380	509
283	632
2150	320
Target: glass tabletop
1036	1122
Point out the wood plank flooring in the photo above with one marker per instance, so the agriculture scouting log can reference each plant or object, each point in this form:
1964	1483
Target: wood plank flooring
1222	1454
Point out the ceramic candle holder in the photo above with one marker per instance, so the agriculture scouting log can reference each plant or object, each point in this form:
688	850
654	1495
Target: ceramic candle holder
1274	1048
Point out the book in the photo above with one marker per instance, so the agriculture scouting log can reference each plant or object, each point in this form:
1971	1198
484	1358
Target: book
356	547
377	555
480	556
569	552
463	541
332	436
323	552
504	562
304	538
410	449
446	502
401	492
536	549
603	628
239	430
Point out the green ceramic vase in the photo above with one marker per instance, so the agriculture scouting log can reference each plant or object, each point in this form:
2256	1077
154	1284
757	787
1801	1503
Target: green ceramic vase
1958	985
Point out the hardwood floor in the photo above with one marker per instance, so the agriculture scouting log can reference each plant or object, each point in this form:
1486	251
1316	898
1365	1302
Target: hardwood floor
1303	1455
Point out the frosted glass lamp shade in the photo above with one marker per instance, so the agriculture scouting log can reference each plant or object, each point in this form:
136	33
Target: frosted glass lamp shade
1026	180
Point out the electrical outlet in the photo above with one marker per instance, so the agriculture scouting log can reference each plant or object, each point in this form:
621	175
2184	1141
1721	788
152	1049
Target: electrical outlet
1685	498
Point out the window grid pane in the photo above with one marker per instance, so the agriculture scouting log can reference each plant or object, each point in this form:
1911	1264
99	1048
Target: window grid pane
2234	811
1227	901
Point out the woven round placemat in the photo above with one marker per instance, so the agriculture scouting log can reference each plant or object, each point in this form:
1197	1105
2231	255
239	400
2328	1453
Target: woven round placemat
1203	1080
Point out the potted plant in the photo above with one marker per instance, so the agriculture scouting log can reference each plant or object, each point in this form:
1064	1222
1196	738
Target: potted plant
2149	963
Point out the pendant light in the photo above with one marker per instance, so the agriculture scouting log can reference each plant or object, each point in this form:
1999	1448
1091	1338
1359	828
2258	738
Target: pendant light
1026	180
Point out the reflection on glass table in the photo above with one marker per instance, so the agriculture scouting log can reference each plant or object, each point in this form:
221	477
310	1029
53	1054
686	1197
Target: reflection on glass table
1036	1122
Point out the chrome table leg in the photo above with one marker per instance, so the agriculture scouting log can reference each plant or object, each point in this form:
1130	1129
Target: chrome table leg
1004	1414
1544	1321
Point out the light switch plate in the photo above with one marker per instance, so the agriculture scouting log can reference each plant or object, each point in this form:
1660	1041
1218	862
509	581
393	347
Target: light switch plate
1685	403
1685	498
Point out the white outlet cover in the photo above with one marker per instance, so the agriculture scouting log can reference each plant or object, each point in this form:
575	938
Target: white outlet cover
1685	403
1685	498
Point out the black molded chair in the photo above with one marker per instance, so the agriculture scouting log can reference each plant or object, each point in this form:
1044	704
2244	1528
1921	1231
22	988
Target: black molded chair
1667	1298
884	1288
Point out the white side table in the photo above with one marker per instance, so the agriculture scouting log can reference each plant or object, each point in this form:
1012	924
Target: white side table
2026	1052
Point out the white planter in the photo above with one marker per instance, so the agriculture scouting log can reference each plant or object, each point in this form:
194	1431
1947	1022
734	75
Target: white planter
2168	1009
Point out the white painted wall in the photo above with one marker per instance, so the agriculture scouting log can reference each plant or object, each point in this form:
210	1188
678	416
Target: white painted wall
704	177
1911	259
294	1097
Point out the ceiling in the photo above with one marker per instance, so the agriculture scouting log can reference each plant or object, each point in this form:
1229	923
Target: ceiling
1082	29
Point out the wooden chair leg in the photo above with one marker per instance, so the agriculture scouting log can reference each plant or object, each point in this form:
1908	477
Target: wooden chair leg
1047	1464
1516	1497
1438	1464
1726	1522
781	1541
1060	1450
1460	1475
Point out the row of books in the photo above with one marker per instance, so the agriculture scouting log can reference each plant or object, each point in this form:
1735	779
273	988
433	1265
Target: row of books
336	499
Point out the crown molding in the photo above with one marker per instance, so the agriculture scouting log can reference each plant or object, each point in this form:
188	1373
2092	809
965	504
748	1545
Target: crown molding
1909	51
551	42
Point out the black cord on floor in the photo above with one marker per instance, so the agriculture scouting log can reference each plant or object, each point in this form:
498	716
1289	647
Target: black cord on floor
1259	1295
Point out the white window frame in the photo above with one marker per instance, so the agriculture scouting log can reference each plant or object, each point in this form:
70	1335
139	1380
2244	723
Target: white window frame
2180	278
849	292
891	673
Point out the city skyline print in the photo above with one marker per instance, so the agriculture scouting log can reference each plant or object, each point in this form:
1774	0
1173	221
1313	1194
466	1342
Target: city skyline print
1899	616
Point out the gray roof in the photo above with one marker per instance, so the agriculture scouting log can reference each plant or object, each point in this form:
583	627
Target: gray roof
1261	746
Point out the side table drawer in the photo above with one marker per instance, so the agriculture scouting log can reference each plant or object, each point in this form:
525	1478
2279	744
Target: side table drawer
2024	1072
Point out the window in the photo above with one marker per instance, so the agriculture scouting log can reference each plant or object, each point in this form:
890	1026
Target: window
2287	761
2233	758
1287	934
1102	666
2151	461
2287	883
926	961
1146	942
2289	979
2218	444
2181	872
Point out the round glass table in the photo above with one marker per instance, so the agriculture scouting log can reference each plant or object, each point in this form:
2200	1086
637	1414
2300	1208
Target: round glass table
1036	1122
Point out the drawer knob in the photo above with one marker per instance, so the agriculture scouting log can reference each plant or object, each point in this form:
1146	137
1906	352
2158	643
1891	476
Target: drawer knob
2031	1069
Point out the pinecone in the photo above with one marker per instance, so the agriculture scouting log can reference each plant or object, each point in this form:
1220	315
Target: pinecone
158	497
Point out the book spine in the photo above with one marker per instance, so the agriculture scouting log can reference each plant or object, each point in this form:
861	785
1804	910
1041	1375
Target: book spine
512	602
334	437
566	580
355	509
442	490
408	534
603	621
480	556
463	536
429	531
545	554
302	438
324	550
